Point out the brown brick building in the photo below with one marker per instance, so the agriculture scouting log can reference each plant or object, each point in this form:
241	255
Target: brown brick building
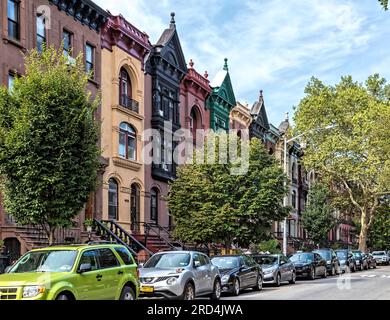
26	24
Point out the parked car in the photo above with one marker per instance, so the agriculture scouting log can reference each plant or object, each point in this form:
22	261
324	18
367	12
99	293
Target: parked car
361	261
182	275
75	272
309	264
332	262
381	257
238	272
277	268
347	260
371	261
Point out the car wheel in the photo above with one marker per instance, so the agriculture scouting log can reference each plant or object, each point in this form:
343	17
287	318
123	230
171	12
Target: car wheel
216	295
62	296
189	292
259	283
312	274
236	287
325	275
293	278
354	268
127	294
278	280
374	266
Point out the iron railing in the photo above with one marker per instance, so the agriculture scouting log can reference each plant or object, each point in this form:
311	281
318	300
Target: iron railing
129	103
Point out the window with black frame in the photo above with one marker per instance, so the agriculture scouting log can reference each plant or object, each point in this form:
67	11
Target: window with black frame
127	141
41	32
112	199
13	8
90	60
154	205
67	41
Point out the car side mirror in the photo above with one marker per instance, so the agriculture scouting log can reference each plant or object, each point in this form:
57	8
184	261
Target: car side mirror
140	265
196	264
85	267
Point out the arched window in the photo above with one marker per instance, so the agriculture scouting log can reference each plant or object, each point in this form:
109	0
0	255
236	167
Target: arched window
135	207
127	141
154	205
294	199
125	94
112	199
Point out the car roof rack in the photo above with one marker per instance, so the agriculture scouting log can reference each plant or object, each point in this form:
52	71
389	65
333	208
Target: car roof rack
90	243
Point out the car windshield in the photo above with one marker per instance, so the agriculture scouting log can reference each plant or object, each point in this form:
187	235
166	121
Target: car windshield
378	253
264	260
341	254
324	254
225	262
356	253
169	260
46	261
302	257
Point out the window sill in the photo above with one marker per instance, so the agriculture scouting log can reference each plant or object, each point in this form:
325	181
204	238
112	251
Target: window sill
127	111
16	43
94	82
127	164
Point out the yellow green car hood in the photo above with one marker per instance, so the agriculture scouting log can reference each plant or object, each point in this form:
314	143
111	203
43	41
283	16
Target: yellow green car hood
30	278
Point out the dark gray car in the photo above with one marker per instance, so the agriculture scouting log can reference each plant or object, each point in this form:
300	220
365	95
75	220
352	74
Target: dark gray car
277	268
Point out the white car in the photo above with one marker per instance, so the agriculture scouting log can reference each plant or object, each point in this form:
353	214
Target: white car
381	257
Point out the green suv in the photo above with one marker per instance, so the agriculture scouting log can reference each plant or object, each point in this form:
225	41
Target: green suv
77	272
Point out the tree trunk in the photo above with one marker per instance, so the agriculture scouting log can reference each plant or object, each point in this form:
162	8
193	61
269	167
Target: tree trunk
364	230
51	236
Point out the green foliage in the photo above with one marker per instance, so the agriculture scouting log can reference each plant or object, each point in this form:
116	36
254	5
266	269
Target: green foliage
379	233
48	142
318	217
210	204
272	246
384	3
348	141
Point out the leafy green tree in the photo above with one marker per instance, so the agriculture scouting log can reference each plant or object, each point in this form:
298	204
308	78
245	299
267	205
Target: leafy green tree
48	142
272	246
379	233
318	217
384	3
211	205
346	129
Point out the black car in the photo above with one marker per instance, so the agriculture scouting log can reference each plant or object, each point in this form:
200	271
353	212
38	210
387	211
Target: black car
347	260
238	272
361	261
332	262
309	265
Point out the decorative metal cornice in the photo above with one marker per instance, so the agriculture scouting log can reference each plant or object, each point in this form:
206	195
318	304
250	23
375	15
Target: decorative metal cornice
85	11
117	31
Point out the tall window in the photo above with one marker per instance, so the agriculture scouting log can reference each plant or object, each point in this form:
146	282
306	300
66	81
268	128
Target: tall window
67	40
41	32
154	205
135	207
127	142
13	20
112	199
125	93
294	199
194	122
89	60
11	79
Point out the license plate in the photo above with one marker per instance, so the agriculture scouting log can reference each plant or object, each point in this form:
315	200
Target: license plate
147	289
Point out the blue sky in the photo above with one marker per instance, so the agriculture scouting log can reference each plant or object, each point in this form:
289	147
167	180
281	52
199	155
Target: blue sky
274	45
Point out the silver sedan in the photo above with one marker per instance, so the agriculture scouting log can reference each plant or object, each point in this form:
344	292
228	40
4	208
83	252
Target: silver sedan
181	275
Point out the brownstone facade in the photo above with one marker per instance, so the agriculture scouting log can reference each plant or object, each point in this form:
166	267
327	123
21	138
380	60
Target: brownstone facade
80	21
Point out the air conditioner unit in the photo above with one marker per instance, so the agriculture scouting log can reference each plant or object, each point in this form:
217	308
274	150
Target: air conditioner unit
161	113
164	167
70	60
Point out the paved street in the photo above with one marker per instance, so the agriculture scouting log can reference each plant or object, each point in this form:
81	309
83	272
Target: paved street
367	285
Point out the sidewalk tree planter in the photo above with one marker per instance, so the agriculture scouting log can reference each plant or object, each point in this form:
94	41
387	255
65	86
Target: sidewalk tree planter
48	142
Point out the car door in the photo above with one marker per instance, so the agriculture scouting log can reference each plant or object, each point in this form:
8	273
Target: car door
200	273
285	268
110	273
253	271
88	285
321	263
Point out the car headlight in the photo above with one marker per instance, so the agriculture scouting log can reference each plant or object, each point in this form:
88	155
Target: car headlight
225	278
32	291
268	271
328	262
171	281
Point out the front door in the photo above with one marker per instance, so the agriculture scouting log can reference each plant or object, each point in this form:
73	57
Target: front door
135	208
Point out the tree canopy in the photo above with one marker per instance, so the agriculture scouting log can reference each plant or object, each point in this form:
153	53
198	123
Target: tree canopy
318	217
384	3
48	142
211	205
346	131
